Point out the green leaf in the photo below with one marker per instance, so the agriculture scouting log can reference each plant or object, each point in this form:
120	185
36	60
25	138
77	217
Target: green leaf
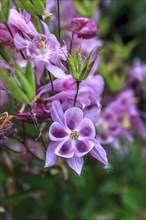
29	7
24	82
39	6
73	65
13	87
30	76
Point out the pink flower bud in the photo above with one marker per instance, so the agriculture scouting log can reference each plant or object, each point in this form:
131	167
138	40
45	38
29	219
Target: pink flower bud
83	27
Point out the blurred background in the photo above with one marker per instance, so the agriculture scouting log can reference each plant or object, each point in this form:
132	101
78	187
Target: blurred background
28	191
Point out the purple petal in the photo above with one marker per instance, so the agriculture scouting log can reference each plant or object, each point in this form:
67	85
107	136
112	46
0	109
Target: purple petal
56	71
57	112
83	147
99	153
20	42
73	117
87	129
51	158
93	114
76	163
39	70
57	132
65	149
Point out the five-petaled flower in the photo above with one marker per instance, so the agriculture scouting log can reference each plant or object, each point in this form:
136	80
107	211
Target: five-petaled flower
72	136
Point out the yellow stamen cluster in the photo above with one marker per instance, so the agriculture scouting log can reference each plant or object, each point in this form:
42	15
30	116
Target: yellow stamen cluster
74	135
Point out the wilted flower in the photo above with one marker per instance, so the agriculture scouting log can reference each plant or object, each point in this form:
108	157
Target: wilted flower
72	136
5	125
83	27
19	22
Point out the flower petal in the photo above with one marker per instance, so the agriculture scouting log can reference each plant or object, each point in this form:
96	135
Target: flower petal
57	112
73	117
99	153
65	149
57	132
56	71
83	147
51	158
76	163
87	129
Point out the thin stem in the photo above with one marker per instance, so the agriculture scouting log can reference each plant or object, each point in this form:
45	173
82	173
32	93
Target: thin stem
13	37
50	78
58	12
10	149
27	148
76	93
36	125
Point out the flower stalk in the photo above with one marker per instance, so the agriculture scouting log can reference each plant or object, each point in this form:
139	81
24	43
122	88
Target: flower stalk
76	92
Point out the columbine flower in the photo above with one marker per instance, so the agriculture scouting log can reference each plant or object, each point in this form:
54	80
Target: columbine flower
44	51
72	136
19	22
83	27
107	127
126	111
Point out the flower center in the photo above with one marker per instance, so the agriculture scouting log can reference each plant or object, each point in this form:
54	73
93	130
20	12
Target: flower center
74	135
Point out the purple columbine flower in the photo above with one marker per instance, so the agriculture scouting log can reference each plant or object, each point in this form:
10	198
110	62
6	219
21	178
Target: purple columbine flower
83	27
5	37
72	136
107	127
45	51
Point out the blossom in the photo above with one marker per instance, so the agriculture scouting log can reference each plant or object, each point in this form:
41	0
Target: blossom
45	52
19	22
107	127
83	27
72	136
138	71
126	111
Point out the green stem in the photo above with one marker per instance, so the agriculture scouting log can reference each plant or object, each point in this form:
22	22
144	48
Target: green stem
76	93
52	86
58	12
10	149
34	119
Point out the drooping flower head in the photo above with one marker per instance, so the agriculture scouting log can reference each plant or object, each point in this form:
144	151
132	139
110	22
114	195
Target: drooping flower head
83	27
72	136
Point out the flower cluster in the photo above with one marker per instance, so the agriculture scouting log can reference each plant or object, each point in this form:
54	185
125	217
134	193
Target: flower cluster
55	80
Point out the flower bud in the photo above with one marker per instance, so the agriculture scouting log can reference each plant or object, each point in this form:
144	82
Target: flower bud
83	27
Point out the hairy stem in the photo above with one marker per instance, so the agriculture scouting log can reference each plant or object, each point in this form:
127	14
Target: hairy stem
34	119
76	93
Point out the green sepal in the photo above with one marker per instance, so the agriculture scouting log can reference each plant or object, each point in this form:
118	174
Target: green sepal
80	64
30	76
4	12
73	65
13	87
24	82
87	70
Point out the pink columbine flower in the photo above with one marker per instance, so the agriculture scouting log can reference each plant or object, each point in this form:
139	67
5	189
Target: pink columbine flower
19	22
72	136
83	27
45	52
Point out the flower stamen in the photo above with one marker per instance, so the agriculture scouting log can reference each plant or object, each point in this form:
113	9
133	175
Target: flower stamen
74	135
